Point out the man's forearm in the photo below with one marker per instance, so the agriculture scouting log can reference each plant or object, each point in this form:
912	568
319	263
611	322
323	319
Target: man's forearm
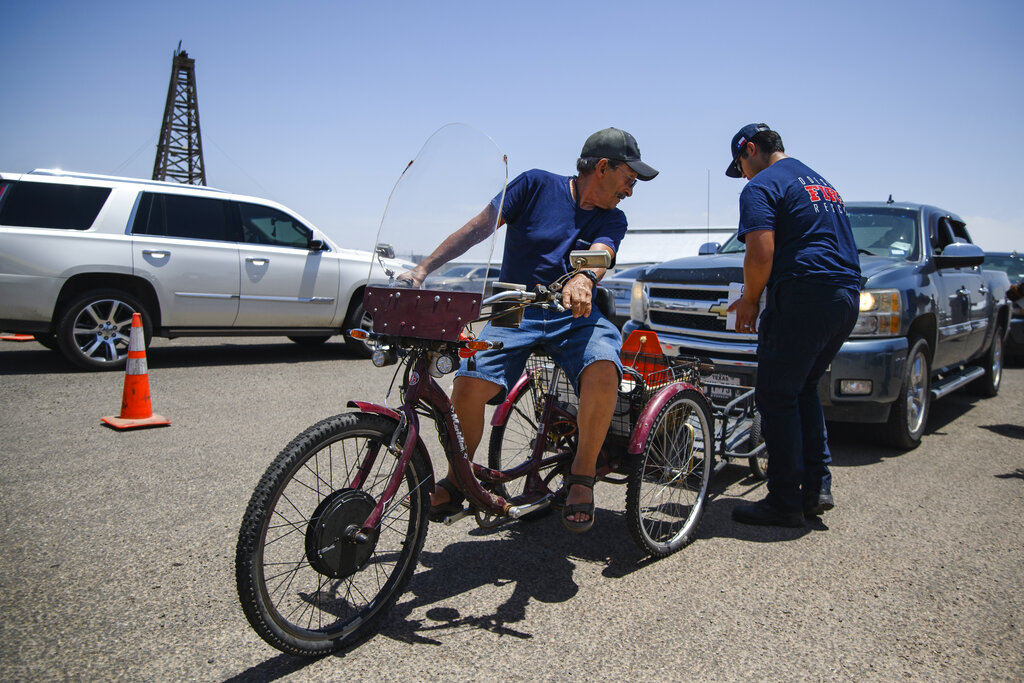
460	241
757	264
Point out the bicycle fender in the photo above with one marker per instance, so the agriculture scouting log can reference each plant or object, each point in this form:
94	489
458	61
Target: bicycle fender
644	423
502	411
377	409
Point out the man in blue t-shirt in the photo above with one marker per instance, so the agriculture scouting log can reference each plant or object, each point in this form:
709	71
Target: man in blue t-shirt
800	246
548	216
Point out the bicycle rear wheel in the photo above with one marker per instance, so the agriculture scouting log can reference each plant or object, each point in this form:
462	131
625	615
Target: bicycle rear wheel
305	587
668	484
511	443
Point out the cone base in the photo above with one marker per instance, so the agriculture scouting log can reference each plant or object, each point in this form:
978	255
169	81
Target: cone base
126	423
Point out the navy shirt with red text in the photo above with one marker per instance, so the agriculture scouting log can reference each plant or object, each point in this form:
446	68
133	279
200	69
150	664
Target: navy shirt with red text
813	238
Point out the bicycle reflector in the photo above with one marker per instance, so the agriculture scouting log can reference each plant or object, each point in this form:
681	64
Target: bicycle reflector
359	333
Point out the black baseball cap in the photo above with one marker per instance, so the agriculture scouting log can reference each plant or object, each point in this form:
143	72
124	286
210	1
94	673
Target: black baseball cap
612	143
739	141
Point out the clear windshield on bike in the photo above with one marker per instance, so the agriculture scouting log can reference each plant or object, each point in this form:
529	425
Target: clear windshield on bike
457	178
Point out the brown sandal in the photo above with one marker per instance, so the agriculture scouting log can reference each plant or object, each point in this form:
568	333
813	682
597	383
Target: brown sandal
574	508
453	506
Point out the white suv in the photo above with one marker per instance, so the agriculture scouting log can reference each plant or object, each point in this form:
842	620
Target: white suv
80	253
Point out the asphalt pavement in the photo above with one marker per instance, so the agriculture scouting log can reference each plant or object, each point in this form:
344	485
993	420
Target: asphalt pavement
117	548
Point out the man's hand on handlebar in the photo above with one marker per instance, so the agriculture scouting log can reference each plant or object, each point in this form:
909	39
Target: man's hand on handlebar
411	278
577	295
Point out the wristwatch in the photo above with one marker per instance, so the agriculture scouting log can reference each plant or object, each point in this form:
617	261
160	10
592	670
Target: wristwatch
591	275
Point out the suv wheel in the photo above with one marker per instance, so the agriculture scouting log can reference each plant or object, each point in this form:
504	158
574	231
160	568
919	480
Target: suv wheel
909	414
93	329
358	318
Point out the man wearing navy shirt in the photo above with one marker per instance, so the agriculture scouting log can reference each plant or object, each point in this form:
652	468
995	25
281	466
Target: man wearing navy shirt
800	246
547	216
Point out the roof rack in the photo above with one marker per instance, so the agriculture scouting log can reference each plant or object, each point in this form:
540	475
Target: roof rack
96	176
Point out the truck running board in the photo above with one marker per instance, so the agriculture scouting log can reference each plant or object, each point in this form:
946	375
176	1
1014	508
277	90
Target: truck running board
948	384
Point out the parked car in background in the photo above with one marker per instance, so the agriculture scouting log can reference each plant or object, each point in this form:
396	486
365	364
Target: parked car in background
621	285
1011	263
80	253
464	277
931	319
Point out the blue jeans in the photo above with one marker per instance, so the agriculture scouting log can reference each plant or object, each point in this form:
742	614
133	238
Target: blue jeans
799	333
573	343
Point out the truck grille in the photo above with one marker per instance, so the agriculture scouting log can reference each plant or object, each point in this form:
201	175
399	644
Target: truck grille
684	321
697	310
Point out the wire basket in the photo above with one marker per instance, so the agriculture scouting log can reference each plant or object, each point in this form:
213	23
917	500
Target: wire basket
643	375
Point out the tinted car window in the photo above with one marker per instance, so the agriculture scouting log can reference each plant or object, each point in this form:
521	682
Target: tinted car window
266	225
170	215
51	205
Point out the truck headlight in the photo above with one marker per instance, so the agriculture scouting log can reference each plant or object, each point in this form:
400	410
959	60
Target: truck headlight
879	313
638	301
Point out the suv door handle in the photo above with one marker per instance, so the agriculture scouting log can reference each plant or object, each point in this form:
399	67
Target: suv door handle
257	261
157	254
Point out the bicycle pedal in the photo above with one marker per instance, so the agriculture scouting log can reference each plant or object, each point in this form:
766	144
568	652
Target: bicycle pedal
451	519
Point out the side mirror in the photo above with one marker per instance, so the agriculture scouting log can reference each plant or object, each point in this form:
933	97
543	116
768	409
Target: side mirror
317	245
385	250
709	248
960	255
590	258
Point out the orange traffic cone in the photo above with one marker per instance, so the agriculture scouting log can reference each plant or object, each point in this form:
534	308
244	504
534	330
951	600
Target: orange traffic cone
17	337
136	410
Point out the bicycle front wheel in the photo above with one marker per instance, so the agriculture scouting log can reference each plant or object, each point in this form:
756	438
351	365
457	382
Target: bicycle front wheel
306	585
668	484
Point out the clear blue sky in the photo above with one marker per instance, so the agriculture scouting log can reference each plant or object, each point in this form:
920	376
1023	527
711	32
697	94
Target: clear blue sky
319	105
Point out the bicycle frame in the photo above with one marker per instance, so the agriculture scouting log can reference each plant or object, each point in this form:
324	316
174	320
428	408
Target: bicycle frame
420	388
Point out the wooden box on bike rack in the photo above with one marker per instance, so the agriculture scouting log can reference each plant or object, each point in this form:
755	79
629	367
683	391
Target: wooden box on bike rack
421	313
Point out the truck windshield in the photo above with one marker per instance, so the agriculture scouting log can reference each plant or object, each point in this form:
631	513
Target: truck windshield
732	246
885	232
877	232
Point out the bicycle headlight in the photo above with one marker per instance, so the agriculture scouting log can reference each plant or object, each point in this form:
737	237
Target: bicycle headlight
880	311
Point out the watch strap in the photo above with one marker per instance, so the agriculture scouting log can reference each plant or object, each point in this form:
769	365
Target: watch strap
591	275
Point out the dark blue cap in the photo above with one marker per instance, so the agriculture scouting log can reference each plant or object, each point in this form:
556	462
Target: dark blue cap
739	141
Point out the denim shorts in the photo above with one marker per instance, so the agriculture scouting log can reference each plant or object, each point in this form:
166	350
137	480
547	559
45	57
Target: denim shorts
572	343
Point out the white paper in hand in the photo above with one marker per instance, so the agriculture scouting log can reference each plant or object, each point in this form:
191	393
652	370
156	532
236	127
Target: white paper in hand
735	292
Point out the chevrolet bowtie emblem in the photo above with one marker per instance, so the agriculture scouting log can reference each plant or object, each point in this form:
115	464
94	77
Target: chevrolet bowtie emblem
721	309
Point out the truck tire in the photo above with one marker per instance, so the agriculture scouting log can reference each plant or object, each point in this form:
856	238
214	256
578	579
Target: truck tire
992	361
93	328
358	318
909	414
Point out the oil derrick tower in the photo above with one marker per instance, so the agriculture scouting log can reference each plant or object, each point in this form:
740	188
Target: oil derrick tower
179	154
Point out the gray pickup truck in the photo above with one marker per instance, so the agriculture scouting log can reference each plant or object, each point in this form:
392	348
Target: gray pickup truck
931	318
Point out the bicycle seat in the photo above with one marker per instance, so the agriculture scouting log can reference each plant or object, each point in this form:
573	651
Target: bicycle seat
605	301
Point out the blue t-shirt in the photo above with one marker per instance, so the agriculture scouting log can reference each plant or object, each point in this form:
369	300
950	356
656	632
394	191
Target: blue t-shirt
544	224
813	239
